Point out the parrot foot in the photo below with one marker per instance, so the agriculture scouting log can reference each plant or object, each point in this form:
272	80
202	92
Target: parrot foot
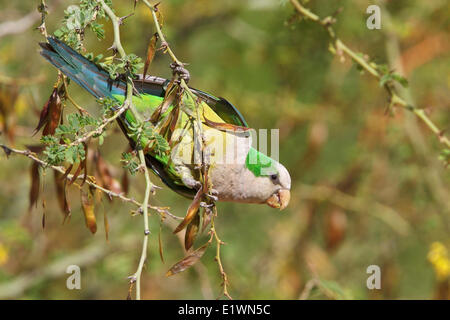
213	194
181	71
215	198
187	178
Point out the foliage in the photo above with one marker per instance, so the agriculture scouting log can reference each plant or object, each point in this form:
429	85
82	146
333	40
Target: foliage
77	19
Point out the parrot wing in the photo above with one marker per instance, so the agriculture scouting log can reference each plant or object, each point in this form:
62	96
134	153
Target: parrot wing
151	92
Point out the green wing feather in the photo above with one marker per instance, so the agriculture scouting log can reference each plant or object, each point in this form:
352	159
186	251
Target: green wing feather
151	93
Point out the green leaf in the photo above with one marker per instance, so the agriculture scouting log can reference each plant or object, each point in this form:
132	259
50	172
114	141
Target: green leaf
400	79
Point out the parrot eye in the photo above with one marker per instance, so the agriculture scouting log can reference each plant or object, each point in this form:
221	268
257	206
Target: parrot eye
274	177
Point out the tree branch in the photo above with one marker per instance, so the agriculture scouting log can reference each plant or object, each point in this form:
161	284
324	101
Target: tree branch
372	68
219	243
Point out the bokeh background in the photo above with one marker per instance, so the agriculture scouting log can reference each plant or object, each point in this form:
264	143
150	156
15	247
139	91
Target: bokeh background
368	187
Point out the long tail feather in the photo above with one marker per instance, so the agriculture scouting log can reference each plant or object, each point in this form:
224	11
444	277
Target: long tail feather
78	68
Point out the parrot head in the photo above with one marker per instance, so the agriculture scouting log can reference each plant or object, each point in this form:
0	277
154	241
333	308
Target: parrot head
268	180
278	185
260	180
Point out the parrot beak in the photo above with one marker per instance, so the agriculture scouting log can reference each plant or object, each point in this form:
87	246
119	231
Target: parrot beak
279	200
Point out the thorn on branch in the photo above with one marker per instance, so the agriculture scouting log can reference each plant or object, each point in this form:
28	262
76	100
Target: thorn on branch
113	48
42	29
212	197
6	150
155	7
122	19
132	279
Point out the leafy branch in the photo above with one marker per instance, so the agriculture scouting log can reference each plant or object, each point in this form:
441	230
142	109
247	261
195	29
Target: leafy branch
385	77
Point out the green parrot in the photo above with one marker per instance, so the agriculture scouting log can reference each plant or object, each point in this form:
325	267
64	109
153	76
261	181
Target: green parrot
237	171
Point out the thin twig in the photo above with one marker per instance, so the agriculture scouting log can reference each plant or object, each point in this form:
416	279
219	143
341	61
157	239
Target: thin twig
42	8
27	153
433	176
371	67
137	275
219	243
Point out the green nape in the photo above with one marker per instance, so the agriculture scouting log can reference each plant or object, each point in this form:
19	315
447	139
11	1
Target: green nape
259	163
143	103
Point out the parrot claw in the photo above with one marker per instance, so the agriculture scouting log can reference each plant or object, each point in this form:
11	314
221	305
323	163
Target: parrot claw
211	196
206	205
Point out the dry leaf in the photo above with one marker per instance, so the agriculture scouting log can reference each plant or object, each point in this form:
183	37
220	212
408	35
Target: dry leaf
125	182
207	215
60	185
188	261
50	114
87	204
167	102
150	54
104	174
225	126
106	224
336	225
191	232
191	212
8	97
161	255
35	184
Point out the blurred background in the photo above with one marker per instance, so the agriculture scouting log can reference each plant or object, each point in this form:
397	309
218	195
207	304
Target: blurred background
368	187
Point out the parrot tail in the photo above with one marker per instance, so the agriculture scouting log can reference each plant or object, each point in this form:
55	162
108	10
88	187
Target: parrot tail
79	69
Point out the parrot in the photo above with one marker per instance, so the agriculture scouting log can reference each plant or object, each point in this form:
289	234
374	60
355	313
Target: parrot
246	175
